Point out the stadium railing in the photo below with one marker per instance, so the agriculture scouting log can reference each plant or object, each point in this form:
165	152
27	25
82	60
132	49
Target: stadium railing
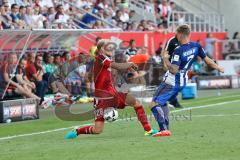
139	6
199	22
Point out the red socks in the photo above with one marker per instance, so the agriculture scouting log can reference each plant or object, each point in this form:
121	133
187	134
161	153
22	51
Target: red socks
85	130
142	117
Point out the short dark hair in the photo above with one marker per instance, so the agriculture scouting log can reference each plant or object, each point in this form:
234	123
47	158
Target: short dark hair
38	56
21	7
13	5
58	6
98	39
56	55
184	30
132	41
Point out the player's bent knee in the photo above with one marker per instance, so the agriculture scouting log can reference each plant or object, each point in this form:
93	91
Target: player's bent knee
97	131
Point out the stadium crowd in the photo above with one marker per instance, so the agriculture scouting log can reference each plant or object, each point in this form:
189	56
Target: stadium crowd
97	14
36	75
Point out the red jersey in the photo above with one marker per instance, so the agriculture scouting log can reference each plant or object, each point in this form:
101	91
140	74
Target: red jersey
103	77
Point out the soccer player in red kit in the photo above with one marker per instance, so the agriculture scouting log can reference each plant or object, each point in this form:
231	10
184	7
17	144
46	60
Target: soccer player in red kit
106	95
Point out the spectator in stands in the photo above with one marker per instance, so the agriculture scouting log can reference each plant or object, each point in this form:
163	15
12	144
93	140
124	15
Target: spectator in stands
6	19
117	16
98	25
209	45
28	18
87	18
22	12
181	19
60	16
48	65
7	7
132	50
76	78
56	79
125	15
45	3
18	2
34	72
8	77
164	9
132	16
38	17
50	14
57	60
17	22
21	78
172	8
160	28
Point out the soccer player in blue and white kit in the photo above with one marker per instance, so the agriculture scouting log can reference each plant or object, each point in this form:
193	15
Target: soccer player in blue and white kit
176	76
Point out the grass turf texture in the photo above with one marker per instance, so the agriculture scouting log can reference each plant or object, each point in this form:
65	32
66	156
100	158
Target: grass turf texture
207	133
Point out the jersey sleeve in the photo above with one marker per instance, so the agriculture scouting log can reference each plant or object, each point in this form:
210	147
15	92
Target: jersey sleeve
168	45
176	58
105	61
201	52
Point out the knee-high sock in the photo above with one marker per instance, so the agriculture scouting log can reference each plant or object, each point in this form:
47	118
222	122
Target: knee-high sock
142	117
85	130
166	115
159	116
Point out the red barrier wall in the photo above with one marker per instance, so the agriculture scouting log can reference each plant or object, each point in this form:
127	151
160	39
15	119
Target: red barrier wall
151	39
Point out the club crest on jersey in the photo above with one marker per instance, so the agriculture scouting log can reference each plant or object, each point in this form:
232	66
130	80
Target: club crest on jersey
176	58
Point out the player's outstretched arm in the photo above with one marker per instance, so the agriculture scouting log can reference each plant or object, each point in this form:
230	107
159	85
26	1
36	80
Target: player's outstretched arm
171	67
165	67
123	66
213	65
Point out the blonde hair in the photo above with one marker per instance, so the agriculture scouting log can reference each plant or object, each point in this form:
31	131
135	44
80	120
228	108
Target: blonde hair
101	43
184	30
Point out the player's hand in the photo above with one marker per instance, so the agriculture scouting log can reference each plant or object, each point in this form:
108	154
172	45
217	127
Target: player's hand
221	69
32	85
165	54
133	66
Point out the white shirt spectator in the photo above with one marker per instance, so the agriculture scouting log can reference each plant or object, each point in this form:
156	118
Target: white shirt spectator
63	18
124	17
51	17
103	6
46	3
18	2
38	20
181	19
82	3
164	10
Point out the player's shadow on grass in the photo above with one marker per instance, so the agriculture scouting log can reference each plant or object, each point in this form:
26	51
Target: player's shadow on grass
64	113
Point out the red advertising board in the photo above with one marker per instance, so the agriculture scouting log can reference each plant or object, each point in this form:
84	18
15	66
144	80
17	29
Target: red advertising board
151	40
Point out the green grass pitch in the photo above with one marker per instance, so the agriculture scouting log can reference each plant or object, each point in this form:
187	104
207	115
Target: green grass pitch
208	133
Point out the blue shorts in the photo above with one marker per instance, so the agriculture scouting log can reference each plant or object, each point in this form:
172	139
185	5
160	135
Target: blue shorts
164	93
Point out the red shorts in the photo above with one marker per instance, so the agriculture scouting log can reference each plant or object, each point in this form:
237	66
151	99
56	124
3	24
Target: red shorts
117	101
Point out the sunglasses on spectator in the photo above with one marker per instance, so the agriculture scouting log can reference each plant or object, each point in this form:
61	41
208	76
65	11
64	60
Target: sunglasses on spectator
6	6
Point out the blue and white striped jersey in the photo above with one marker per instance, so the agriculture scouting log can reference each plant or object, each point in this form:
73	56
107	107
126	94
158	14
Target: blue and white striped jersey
183	57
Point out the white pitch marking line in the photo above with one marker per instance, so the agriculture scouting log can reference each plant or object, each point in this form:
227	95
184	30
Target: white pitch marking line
215	115
213	99
62	129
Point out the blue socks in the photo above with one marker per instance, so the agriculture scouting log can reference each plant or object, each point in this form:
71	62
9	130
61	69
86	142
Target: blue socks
161	116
